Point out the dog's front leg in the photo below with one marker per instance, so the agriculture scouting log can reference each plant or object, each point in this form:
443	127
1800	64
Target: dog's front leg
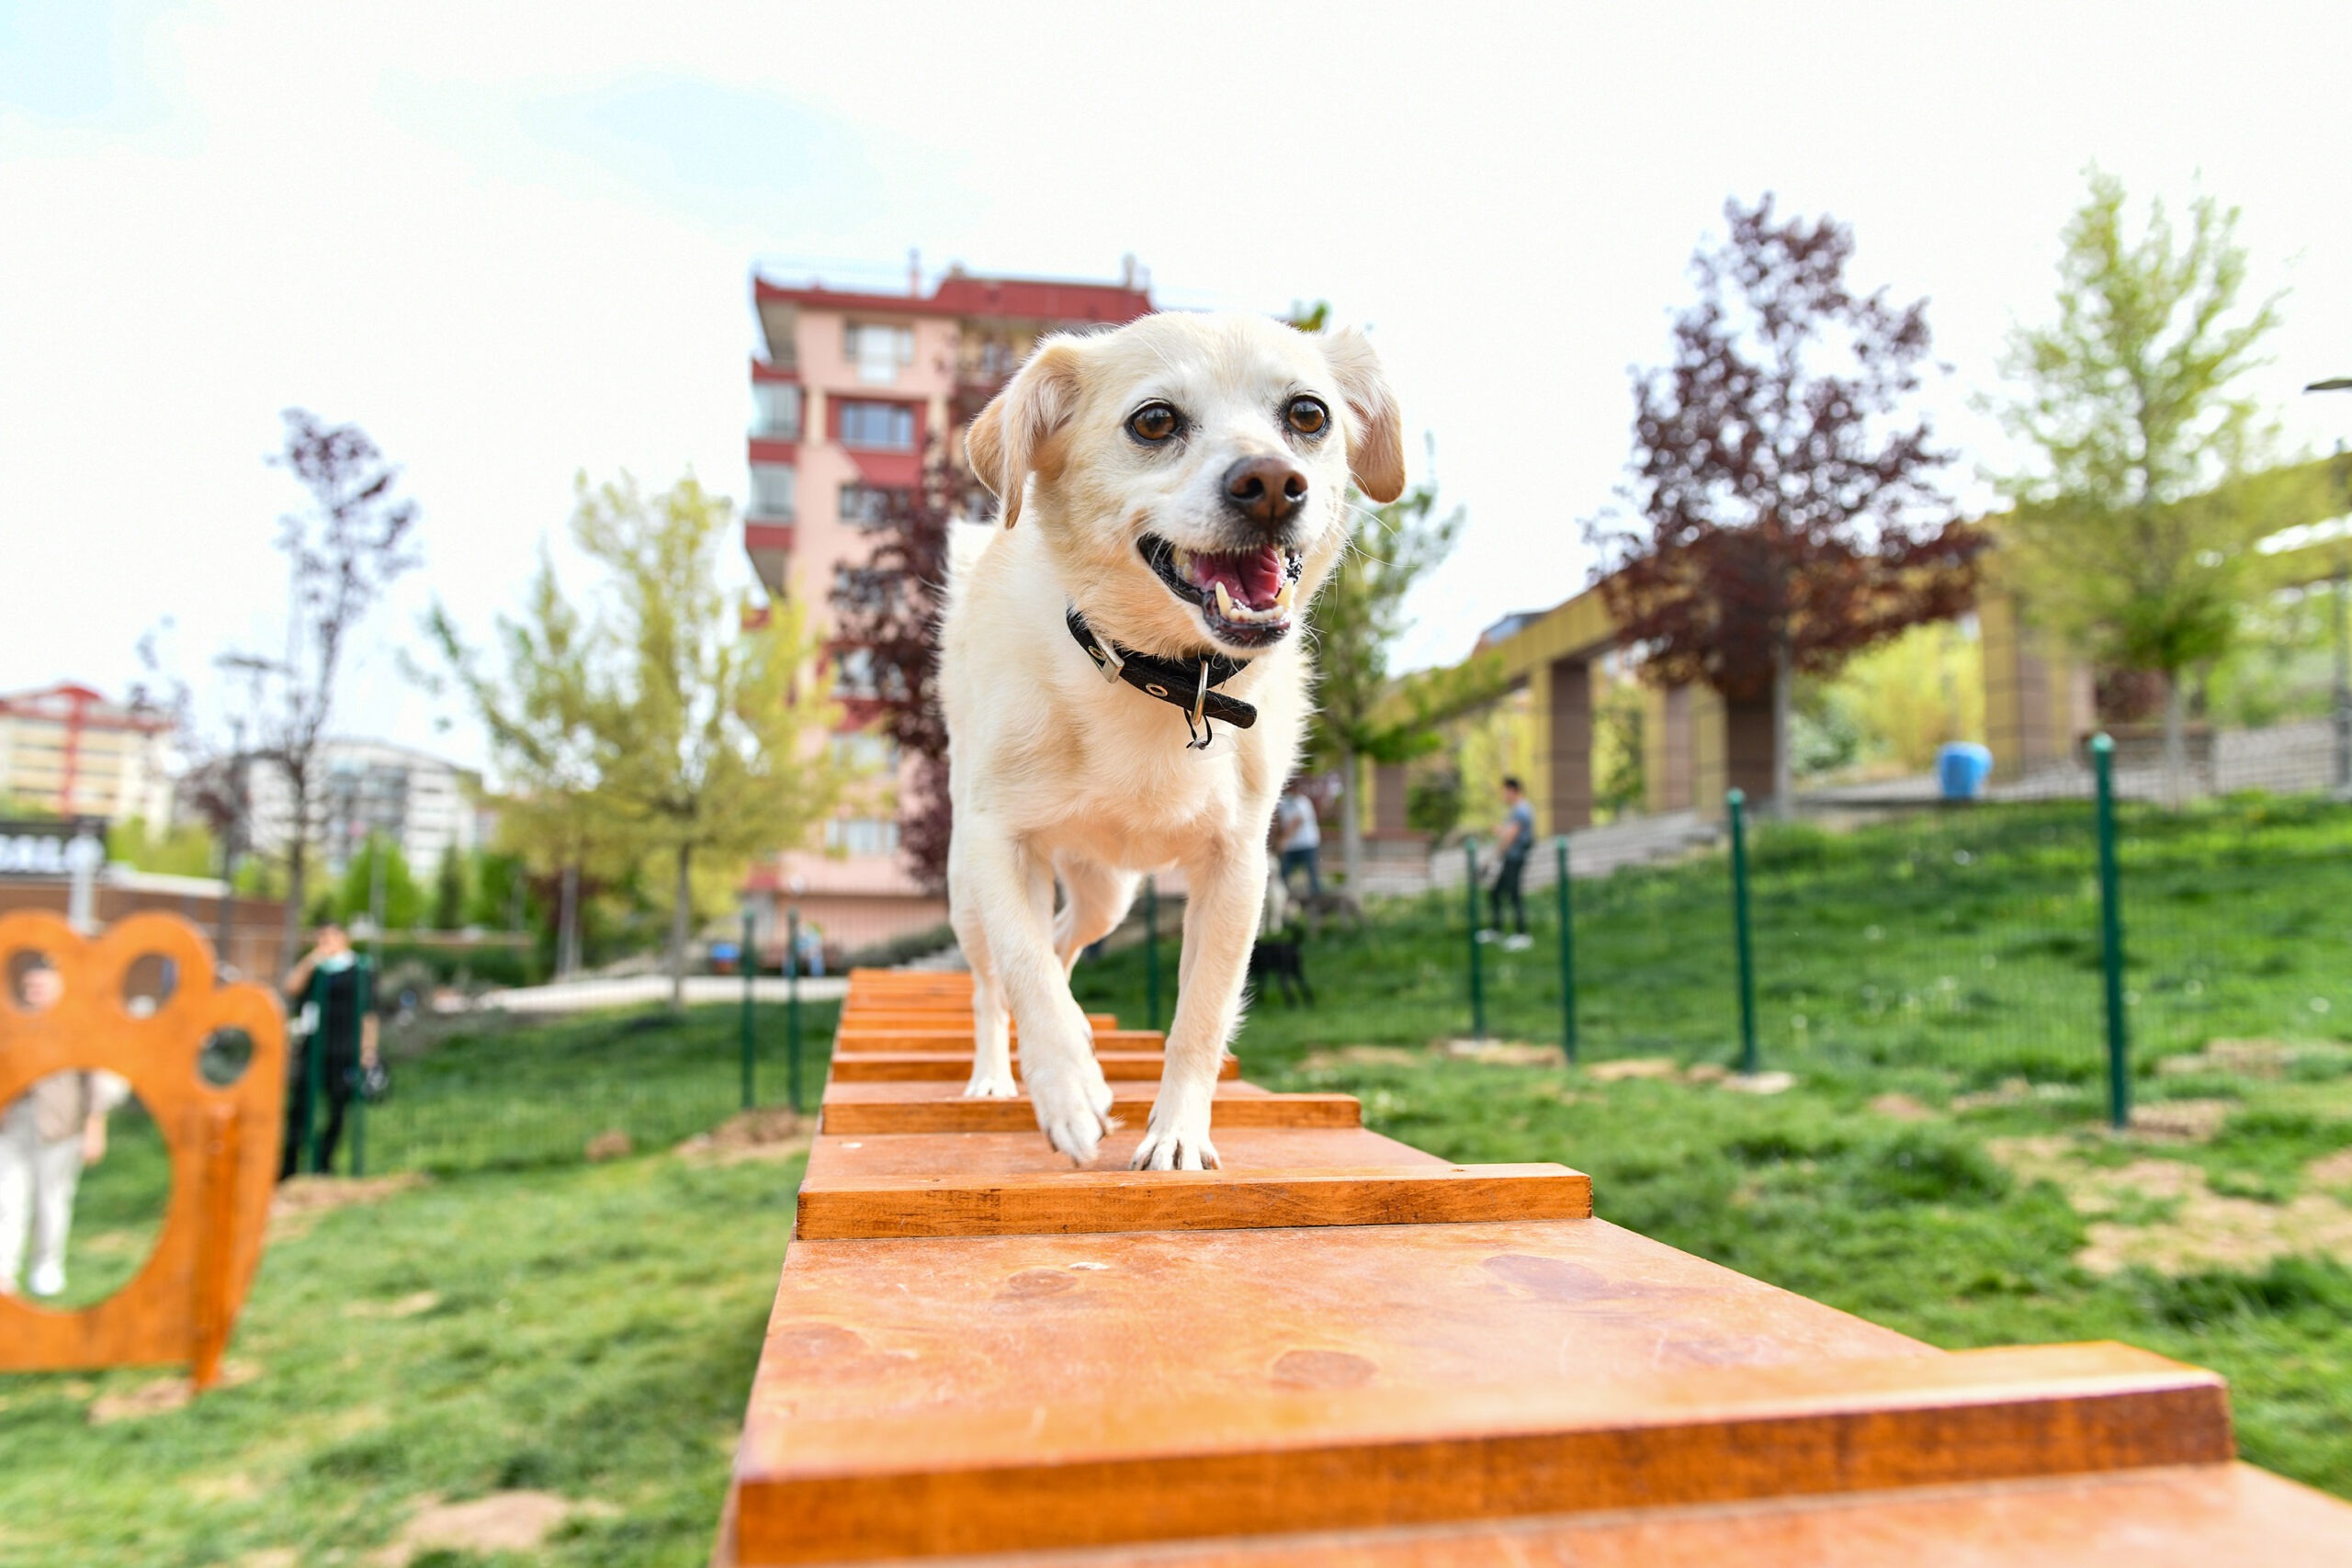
1220	921
1007	893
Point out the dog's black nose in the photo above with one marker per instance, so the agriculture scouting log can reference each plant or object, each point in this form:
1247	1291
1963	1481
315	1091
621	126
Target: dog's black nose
1265	489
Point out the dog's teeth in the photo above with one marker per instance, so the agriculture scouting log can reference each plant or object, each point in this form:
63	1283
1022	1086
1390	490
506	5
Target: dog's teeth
1224	602
1282	599
1183	558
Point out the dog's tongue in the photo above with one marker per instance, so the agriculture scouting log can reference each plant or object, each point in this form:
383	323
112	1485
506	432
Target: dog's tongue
1253	577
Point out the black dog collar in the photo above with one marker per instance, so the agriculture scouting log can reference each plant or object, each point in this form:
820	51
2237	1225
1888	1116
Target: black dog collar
1188	685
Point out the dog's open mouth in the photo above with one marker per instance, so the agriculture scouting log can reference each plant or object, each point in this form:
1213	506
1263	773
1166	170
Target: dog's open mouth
1249	597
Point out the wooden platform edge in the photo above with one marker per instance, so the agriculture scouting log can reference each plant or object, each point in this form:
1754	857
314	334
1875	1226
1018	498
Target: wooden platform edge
1359	1460
1018	1116
1092	1202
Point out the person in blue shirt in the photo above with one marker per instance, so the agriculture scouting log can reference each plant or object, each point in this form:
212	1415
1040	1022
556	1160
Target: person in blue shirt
1516	841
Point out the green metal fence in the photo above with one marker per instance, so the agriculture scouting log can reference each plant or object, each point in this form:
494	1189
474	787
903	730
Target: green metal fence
1971	941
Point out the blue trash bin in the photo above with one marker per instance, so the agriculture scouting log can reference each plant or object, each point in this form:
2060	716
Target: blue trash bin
1961	769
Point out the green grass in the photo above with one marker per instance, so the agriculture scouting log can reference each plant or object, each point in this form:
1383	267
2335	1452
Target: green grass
592	1331
593	1327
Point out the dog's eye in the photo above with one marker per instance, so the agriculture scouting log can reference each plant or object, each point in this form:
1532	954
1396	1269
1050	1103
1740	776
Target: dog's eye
1308	415
1153	421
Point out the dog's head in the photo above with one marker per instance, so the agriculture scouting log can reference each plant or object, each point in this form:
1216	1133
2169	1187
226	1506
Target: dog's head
1190	473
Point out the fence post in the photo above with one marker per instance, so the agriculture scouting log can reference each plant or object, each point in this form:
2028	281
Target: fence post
792	1008
2110	938
1151	952
750	1038
1568	955
1736	800
1477	972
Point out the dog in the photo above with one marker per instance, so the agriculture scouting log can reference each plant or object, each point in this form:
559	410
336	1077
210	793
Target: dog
1281	958
1124	681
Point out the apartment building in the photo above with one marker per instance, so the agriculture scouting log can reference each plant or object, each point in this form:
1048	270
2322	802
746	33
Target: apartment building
66	748
851	393
364	787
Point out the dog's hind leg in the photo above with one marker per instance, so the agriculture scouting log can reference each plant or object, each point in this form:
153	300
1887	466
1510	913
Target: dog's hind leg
1006	893
1096	900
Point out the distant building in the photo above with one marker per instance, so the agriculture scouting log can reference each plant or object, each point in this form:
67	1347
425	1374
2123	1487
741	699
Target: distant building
364	787
854	391
68	750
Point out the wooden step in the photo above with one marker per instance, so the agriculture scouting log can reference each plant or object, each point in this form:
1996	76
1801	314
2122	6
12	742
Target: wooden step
1091	1201
938	1106
863	1038
958	1017
886	1066
1156	1469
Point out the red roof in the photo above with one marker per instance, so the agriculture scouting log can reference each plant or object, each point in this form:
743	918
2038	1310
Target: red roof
1027	298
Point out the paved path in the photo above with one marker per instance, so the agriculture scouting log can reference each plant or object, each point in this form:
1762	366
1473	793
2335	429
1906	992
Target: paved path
641	990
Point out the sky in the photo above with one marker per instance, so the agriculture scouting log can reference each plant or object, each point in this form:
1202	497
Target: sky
513	243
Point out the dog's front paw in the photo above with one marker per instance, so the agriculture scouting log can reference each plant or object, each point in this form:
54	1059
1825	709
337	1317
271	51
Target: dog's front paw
1073	1112
991	1084
1178	1139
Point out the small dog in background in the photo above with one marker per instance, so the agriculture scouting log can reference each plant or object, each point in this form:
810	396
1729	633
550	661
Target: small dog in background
1278	953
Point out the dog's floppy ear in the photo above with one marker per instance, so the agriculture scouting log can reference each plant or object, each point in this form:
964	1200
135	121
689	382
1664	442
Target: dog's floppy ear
1375	429
1006	437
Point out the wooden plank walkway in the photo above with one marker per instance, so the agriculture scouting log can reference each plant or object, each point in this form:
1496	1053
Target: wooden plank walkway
1341	1350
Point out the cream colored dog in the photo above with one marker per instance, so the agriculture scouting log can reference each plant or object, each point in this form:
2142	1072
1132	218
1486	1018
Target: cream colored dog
1173	494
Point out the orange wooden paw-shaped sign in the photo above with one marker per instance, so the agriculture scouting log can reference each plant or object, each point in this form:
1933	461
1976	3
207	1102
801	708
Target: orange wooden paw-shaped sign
223	1137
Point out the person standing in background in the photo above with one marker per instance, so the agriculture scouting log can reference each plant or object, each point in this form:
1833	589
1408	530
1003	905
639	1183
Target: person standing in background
332	987
1516	842
1300	837
55	1129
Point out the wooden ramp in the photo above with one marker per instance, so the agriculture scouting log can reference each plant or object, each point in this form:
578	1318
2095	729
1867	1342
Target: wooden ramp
1341	1349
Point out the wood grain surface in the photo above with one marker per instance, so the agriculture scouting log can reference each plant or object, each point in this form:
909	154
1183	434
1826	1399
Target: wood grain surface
845	1112
1084	1202
886	1066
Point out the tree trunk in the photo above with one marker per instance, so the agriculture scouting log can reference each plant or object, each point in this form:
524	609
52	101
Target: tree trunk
297	872
680	915
2175	743
1784	681
1351	824
567	925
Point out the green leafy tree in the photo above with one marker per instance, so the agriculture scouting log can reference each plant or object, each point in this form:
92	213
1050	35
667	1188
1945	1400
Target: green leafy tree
1363	712
449	891
355	895
537	709
185	848
702	725
2134	533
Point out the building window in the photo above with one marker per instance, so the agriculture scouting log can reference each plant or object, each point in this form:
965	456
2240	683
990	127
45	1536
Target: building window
879	352
866	752
772	490
881	427
775	410
869	507
862	836
854	672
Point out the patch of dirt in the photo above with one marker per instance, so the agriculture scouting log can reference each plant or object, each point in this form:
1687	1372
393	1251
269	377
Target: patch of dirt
769	1134
301	1202
1364	1056
1706	1072
164	1396
2248	1058
2181	1121
1901	1108
271	1557
236	1486
1505	1053
504	1521
2012	1091
2329	1171
1760	1083
610	1144
2202	1229
1635	1067
400	1306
